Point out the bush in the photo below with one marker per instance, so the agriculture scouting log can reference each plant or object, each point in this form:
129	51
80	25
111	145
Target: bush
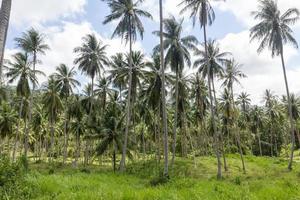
12	179
160	180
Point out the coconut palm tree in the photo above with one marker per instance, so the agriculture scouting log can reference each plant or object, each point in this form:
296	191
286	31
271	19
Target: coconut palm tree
231	75
66	81
163	92
102	91
91	58
177	57
20	70
77	125
4	22
244	101
111	130
273	30
216	59
116	64
8	120
33	43
52	105
202	10
210	61
127	13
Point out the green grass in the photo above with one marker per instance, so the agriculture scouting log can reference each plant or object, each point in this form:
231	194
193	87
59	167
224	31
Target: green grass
266	178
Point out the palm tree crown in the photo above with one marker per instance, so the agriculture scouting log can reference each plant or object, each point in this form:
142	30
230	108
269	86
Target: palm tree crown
273	29
128	13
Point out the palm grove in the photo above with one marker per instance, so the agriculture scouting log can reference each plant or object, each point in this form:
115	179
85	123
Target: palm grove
137	108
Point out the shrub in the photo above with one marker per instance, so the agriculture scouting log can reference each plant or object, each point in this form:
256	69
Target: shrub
12	179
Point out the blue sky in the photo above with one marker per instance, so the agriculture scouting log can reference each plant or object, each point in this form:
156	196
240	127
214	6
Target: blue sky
65	22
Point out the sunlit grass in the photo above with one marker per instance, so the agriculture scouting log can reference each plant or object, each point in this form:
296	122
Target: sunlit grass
266	178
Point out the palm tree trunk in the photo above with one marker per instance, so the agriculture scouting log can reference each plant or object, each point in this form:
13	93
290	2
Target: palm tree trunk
18	130
128	108
259	144
290	112
77	148
30	108
215	134
52	136
4	23
163	93
175	119
66	138
114	157
238	136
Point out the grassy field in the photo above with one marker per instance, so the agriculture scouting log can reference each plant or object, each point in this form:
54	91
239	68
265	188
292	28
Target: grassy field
266	178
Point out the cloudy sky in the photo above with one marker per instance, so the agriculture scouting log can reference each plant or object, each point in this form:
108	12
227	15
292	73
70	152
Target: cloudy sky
65	22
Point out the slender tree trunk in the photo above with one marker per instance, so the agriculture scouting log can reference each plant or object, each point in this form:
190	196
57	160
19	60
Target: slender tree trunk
290	112
163	93
18	130
77	148
114	157
27	129
128	108
215	134
66	136
4	23
175	119
52	136
238	136
259	144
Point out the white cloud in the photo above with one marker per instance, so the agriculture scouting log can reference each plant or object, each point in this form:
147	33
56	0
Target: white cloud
63	39
242	8
263	71
33	12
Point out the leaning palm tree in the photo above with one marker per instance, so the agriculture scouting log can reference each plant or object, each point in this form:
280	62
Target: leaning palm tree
274	32
128	14
52	105
4	22
177	57
33	43
202	10
66	81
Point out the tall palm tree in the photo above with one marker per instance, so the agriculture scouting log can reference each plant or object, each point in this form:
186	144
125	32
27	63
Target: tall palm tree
163	92
273	30
202	10
245	101
210	61
33	43
91	58
52	105
20	70
4	23
66	81
177	57
127	13
231	76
